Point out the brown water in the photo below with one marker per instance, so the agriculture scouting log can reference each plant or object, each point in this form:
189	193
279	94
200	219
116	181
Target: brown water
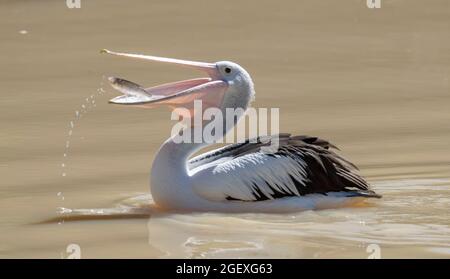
374	82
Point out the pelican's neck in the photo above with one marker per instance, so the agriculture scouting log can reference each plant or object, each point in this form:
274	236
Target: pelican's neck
170	178
174	155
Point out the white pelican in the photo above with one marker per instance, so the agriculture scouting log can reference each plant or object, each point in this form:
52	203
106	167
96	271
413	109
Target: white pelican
302	174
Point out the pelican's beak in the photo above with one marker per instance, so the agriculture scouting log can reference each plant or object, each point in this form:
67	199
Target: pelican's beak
210	90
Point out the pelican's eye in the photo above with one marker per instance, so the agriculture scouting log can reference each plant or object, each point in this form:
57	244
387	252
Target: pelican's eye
227	70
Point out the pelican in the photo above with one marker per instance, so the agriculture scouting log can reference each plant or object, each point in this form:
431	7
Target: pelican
302	173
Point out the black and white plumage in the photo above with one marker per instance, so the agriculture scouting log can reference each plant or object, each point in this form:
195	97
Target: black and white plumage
299	166
268	174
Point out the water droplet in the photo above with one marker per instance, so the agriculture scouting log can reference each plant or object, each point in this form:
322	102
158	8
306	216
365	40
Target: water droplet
62	210
83	106
63	174
65	155
63	165
23	32
71	124
77	113
70	132
59	194
67	144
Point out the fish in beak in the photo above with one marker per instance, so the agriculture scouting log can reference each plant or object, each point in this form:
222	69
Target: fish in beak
181	94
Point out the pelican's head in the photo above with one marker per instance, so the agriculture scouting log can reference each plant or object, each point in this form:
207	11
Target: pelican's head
228	85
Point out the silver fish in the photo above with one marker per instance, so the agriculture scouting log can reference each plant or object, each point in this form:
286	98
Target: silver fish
128	88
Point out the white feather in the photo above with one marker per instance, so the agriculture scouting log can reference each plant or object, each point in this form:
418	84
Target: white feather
244	177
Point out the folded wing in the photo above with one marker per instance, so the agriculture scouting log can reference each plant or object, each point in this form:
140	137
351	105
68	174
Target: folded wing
251	171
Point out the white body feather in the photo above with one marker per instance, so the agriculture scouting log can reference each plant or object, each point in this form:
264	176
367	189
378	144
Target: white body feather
205	187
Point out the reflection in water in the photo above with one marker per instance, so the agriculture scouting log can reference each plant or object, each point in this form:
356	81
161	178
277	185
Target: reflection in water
389	223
